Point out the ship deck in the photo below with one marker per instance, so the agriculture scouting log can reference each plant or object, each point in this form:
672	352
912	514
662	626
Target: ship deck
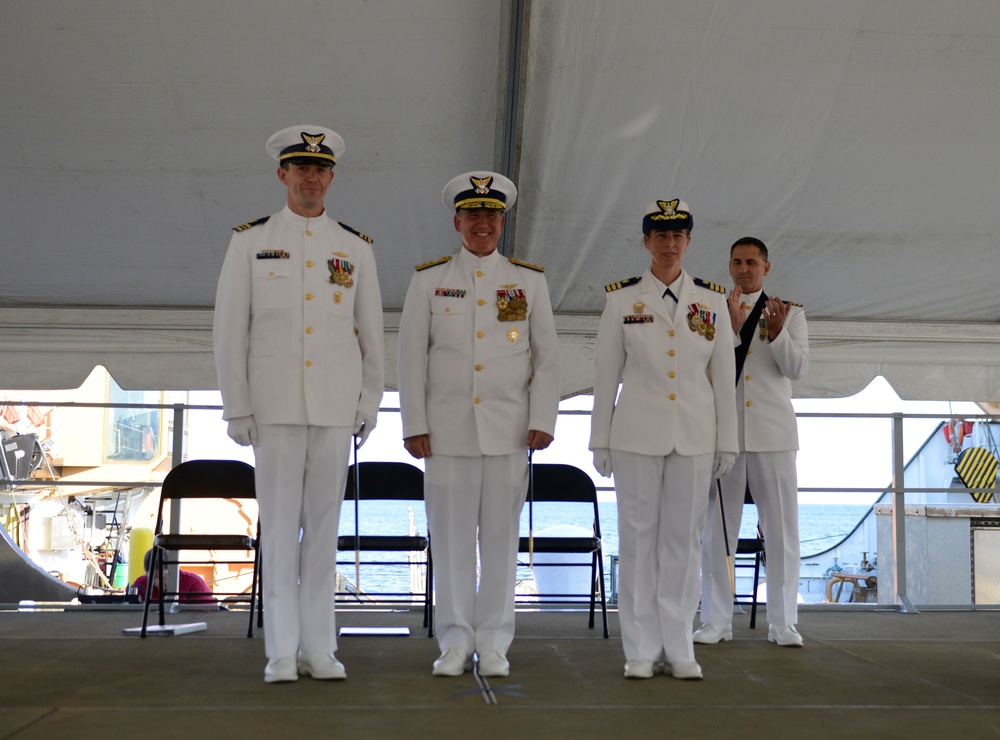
863	670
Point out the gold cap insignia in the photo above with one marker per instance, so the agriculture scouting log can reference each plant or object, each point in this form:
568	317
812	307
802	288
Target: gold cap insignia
481	184
669	207
312	142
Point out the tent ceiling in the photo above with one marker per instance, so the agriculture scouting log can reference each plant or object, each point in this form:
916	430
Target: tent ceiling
856	138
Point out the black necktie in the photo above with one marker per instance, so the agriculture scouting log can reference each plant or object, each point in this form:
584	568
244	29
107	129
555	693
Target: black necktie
670	293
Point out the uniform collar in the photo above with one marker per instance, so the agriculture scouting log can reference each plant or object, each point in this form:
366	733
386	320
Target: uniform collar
750	299
675	287
655	285
302	221
468	259
651	289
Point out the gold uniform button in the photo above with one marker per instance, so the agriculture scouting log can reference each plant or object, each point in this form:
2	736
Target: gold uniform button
309	330
479	273
671	374
746	377
478	368
476	399
309	363
749	404
309	263
479	335
447	310
670	333
673	396
481	302
271	274
671	353
309	296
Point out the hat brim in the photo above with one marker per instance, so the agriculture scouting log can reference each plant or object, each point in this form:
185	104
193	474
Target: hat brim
298	158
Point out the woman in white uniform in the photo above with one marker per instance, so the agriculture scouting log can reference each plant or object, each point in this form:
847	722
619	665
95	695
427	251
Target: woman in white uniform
665	338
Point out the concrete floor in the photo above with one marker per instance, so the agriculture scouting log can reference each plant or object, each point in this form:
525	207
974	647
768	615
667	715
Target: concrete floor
863	671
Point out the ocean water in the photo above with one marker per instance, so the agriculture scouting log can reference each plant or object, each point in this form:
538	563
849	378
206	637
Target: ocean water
821	526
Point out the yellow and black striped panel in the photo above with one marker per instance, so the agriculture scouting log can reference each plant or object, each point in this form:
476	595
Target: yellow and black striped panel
977	468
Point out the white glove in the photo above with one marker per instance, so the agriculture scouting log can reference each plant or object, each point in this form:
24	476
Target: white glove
363	426
724	462
243	431
602	461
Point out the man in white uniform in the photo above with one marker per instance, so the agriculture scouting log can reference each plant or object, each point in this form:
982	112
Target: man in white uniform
773	351
670	429
300	359
479	387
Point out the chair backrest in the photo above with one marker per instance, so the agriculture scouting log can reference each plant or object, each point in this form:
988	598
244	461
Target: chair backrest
561	482
209	479
387	481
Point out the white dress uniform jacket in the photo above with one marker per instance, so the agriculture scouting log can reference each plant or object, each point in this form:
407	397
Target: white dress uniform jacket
768	438
670	374
764	391
291	345
472	381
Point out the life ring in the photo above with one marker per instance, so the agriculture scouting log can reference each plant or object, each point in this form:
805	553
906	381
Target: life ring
951	436
955	432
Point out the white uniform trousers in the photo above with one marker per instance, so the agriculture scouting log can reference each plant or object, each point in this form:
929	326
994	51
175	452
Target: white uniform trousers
774	487
464	494
661	512
301	473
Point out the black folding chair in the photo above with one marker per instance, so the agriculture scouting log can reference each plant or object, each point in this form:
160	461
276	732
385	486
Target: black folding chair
754	547
203	479
753	556
387	481
559	483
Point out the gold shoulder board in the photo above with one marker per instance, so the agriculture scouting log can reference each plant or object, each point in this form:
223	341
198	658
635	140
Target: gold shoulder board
355	232
612	287
432	263
711	286
530	266
251	224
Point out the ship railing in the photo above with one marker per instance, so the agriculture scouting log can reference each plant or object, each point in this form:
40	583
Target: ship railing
897	490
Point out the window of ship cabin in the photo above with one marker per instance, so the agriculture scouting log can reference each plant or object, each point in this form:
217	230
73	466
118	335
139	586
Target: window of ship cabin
133	434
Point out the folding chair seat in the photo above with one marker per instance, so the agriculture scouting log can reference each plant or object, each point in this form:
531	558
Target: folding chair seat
558	483
387	481
202	480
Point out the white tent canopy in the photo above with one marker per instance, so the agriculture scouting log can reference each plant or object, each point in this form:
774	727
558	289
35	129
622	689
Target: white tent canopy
856	138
